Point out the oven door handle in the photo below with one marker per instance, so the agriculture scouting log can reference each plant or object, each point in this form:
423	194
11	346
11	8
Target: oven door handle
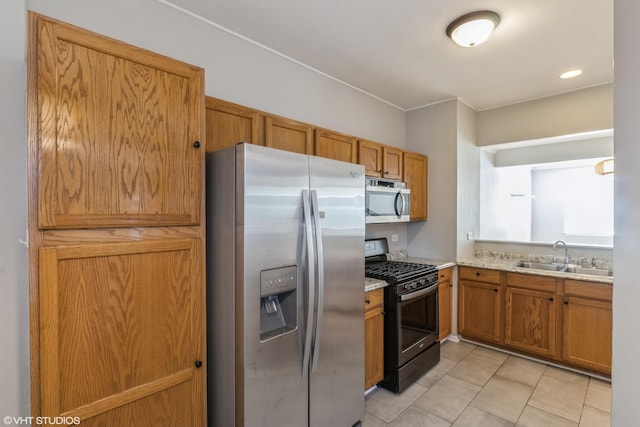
417	294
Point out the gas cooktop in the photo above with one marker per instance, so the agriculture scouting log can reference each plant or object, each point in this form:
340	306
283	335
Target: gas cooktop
397	271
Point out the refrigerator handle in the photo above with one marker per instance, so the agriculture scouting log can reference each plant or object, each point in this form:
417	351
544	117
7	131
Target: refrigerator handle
306	351
315	212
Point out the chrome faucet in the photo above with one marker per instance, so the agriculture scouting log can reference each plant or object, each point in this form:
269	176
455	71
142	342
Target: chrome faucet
566	251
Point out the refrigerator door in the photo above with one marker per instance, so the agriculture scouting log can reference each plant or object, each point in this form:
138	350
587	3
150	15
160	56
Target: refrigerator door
270	290
336	390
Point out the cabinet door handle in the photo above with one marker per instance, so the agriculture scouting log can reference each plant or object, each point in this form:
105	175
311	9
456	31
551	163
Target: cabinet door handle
198	364
551	299
566	303
196	144
367	301
478	273
495	290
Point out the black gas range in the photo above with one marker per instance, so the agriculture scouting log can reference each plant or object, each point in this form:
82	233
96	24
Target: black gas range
411	315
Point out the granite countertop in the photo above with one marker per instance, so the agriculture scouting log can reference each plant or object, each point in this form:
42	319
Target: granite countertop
510	265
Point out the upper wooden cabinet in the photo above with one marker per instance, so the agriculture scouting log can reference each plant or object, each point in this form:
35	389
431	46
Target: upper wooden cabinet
118	130
392	165
229	124
288	135
416	173
337	146
370	156
380	160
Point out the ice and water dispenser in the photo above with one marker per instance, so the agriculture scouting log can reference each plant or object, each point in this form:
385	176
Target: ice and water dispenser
278	301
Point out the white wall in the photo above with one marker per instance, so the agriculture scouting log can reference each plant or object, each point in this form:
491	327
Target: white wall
14	299
433	131
574	112
236	70
626	292
468	182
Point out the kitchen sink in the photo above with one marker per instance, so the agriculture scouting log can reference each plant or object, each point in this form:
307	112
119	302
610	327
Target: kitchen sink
571	268
540	266
592	271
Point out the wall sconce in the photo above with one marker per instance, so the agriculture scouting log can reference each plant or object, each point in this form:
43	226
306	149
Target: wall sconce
473	28
604	167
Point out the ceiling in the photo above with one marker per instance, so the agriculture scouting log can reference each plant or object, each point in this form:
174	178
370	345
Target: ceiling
398	50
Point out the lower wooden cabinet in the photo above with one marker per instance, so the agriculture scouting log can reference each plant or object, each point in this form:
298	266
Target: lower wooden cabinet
373	338
445	289
587	325
530	319
567	321
479	304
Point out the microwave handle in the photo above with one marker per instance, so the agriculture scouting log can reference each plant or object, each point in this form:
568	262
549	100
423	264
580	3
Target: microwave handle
400	211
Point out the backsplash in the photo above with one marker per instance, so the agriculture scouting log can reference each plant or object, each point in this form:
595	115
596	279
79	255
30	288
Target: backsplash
547	259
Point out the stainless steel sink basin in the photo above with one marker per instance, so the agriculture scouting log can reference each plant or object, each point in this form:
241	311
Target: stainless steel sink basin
592	271
565	268
540	266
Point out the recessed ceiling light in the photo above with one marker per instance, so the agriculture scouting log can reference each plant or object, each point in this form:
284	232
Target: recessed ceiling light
571	74
473	28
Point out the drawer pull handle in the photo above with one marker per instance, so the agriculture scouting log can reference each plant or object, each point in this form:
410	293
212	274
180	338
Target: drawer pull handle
495	290
551	299
478	273
368	301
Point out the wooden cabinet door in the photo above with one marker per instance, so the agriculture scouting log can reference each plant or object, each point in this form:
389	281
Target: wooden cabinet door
288	135
373	338
479	315
335	146
370	156
392	163
530	321
120	334
445	311
229	124
117	132
587	330
416	171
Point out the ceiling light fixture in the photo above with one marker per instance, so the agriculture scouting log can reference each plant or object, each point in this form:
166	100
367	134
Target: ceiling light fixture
571	74
473	28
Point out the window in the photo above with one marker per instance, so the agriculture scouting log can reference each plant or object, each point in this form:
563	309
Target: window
546	201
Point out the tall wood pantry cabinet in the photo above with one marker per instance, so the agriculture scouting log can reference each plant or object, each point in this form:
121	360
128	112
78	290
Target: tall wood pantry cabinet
116	231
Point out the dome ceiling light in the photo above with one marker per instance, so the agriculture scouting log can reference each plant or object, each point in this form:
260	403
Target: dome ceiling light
571	74
473	28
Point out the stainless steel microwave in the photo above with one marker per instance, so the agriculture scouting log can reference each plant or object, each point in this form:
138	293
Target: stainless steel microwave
386	201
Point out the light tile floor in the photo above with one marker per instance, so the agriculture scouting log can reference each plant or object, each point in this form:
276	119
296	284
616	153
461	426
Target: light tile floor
477	386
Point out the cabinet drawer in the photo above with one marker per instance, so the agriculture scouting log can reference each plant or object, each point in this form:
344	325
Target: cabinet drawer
529	281
577	288
444	275
480	274
373	299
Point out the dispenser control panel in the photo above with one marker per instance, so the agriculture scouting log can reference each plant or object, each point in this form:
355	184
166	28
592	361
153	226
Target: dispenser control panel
278	280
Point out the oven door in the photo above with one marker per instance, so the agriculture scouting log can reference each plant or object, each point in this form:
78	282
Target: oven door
417	314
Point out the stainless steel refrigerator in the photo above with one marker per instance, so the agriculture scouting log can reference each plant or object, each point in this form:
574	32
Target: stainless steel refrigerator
285	289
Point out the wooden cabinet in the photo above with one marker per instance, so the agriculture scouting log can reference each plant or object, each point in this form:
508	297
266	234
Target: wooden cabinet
531	313
587	325
228	124
416	171
288	135
116	245
445	289
337	146
370	156
392	164
479	303
374	338
380	160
